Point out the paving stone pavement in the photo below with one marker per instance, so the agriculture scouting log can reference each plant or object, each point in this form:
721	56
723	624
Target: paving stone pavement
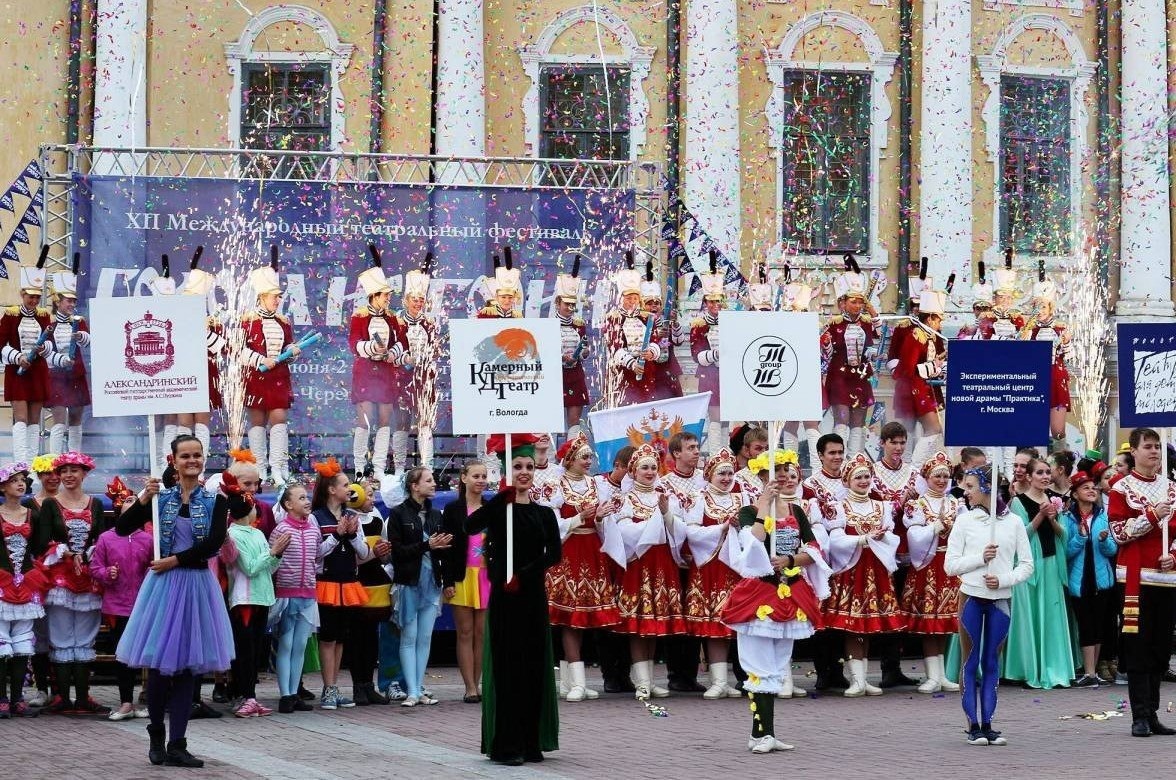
902	734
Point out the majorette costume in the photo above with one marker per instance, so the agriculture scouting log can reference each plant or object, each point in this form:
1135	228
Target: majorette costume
22	589
921	359
982	298
650	598
796	296
627	333
377	342
1149	603
704	347
862	598
506	281
267	335
930	598
573	339
714	548
904	327
417	371
1047	328
668	333
771	607
21	332
68	384
1003	322
851	343
200	283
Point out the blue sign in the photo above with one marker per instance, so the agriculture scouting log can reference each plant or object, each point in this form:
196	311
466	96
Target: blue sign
1147	375
997	393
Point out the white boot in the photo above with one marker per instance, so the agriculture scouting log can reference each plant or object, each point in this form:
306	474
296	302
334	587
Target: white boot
931	684
199	430
945	683
565	680
788	689
34	439
399	451
279	452
20	443
926	447
574	431
637	675
656	691
811	435
857	441
718	681
380	451
181	430
169	435
843	432
788	441
871	690
425	445
578	691
359	442
857	679
57	439
257	445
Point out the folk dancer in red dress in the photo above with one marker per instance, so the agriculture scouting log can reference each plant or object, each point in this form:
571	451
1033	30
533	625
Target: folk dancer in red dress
862	548
1043	326
930	598
852	335
547	471
69	387
668	334
504	301
704	347
712	532
574	347
417	371
580	592
376	341
633	352
201	283
1139	506
650	599
26	357
268	395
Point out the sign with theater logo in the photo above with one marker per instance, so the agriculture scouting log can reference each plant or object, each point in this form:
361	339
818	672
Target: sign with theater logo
507	375
769	366
148	355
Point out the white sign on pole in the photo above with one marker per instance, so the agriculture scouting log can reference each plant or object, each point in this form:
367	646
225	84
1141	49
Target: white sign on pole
148	356
506	375
769	366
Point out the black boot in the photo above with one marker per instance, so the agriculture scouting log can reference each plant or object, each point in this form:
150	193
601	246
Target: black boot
1139	728
83	703
60	703
156	753
286	704
1153	723
178	755
359	695
374	696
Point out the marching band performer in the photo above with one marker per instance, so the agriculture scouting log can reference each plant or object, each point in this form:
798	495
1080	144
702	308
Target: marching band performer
761	294
922	357
505	302
26	354
930	598
376	339
668	333
862	549
712	522
269	395
628	332
1042	326
852	335
574	345
646	545
1006	321
417	370
200	283
69	387
704	347
904	327
982	297
580	592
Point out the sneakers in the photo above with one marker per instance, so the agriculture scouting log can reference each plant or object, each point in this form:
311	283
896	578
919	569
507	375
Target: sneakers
333	700
302	706
201	710
766	744
59	706
1087	681
251	708
411	701
21	710
394	692
286	704
90	707
39	699
993	737
121	714
976	736
5	709
304	694
428	698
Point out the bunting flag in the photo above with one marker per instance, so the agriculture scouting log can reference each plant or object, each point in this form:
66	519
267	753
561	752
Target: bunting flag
21	187
32	215
8	253
6	202
31	171
20	235
732	276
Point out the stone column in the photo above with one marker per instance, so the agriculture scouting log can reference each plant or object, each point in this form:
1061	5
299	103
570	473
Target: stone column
120	74
710	167
945	139
461	80
1145	277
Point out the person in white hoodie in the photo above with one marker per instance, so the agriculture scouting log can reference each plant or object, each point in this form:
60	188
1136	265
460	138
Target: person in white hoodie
989	556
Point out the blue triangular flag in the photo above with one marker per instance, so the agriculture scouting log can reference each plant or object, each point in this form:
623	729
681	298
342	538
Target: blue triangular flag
6	202
695	284
9	253
20	234
31	171
31	217
38	200
19	186
695	231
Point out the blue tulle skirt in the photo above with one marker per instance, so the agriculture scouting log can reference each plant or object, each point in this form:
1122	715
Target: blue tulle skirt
179	623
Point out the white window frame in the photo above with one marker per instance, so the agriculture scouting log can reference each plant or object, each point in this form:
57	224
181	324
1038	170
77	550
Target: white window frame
881	69
334	53
1079	74
636	58
1075	7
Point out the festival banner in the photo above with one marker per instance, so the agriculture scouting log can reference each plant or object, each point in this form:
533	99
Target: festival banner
148	356
506	376
997	393
653	422
1147	365
769	365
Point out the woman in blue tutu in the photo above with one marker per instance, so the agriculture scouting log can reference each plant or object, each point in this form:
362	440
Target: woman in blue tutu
179	628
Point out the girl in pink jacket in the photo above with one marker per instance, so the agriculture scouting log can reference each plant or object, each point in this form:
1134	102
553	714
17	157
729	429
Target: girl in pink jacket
295	613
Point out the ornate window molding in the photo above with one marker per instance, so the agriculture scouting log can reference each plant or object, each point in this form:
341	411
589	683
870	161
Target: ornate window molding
334	52
881	67
636	57
1075	7
1079	74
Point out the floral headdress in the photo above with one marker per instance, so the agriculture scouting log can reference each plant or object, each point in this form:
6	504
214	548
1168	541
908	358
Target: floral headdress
43	464
328	468
117	491
12	469
783	457
643	453
73	458
571	448
859	462
938	461
723	457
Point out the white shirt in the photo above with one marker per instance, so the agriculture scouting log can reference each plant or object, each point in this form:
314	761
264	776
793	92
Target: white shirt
969	536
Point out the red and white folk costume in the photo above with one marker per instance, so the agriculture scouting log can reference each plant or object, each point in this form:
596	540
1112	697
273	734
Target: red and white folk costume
267	335
69	386
20	330
851	343
634	378
892	485
930	597
712	523
704	347
547	475
376	340
820	493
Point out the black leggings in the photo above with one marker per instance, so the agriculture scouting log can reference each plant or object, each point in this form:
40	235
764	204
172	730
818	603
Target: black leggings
248	636
123	674
171	694
363	649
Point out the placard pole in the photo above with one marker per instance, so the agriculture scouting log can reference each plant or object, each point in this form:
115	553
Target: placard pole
1164	462
994	459
509	467
153	460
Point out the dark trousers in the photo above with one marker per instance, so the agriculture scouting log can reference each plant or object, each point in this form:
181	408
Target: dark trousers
248	622
612	651
1147	652
682	652
828	650
889	647
171	694
364	649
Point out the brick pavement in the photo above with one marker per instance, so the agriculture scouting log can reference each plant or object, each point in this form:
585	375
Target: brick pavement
901	734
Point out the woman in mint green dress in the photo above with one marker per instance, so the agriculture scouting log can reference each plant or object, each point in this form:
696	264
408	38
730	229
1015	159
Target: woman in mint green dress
1041	650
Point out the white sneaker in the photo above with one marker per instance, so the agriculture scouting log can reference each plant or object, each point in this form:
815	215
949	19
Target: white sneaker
716	691
39	699
765	744
394	692
778	745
